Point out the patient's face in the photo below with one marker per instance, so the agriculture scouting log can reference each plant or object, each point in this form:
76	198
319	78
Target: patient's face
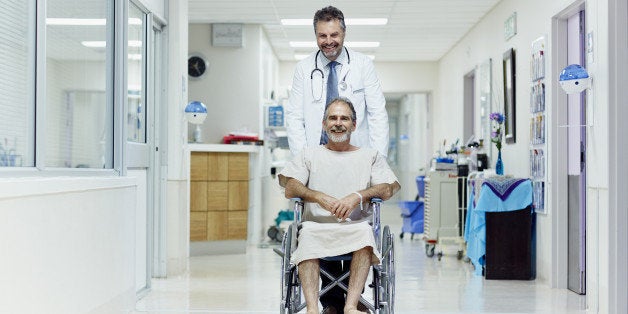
338	124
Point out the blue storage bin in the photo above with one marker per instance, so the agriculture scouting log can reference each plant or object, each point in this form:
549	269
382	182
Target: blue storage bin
412	213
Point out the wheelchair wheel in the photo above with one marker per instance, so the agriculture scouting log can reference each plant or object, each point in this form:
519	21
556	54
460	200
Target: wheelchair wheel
388	272
290	290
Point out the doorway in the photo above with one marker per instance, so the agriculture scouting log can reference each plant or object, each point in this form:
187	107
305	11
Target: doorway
568	151
410	130
576	148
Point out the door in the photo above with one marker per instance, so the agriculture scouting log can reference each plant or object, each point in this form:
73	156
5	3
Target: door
142	118
158	160
576	162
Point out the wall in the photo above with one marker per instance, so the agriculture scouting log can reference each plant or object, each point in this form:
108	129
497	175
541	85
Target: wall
485	40
231	88
68	244
177	161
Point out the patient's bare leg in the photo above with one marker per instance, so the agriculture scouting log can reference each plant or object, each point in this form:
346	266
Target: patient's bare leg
308	273
360	265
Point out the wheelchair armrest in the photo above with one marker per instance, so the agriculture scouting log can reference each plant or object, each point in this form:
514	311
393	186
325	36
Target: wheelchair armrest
297	209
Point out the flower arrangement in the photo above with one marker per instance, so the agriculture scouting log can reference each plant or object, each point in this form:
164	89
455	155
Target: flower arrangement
497	119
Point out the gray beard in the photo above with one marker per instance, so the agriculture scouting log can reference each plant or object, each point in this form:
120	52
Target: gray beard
338	138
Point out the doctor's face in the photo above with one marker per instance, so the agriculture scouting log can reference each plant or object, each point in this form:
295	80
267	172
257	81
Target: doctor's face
330	37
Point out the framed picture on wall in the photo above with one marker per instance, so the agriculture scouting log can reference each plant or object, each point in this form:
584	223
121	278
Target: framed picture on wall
509	96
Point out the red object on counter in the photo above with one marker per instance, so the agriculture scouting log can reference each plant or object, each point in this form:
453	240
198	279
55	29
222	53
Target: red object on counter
233	139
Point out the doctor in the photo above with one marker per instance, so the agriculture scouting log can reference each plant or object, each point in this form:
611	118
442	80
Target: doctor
314	86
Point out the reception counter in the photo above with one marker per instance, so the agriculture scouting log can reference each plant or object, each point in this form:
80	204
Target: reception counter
225	198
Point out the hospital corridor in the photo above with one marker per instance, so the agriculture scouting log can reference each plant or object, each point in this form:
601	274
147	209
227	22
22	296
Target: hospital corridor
152	153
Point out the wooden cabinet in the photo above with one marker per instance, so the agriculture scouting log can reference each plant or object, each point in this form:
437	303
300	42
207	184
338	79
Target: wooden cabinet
219	196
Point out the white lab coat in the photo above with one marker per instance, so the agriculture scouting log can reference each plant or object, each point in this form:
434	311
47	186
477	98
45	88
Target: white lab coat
304	112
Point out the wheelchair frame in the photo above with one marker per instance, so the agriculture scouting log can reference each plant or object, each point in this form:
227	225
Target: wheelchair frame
383	277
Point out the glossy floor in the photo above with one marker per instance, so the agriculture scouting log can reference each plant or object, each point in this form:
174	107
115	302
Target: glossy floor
249	283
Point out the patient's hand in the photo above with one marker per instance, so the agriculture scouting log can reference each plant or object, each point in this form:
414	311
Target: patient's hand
327	202
345	206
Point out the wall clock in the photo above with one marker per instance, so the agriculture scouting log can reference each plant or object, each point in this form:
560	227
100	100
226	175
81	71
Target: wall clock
197	66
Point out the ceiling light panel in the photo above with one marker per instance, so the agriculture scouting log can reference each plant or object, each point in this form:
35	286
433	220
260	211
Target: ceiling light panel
350	44
358	21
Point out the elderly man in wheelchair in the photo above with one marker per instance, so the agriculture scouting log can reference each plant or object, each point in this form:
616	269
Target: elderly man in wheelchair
337	189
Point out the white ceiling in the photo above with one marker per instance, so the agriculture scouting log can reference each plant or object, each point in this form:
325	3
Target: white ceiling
417	30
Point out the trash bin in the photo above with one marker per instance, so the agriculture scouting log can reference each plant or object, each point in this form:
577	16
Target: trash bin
412	213
510	245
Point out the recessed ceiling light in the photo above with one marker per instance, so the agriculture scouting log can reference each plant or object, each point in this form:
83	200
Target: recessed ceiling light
367	21
102	44
303	44
85	22
300	56
362	44
303	56
361	21
351	44
94	44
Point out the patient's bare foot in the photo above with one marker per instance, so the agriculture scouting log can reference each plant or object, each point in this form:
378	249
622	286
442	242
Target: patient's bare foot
353	311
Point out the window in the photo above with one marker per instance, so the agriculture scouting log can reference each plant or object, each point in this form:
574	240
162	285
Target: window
56	86
78	111
17	83
136	114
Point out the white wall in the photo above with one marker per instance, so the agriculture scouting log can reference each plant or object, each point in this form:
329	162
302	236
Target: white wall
177	199
231	89
534	19
67	245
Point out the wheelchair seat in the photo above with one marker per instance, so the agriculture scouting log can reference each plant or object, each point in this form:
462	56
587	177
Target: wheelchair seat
383	279
344	257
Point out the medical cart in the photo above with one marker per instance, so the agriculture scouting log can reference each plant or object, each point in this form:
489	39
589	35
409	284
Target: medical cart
445	212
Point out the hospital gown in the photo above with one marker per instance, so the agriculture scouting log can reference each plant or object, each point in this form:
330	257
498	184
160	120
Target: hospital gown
337	174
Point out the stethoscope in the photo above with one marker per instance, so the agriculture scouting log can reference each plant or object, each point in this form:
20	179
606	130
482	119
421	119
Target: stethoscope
342	85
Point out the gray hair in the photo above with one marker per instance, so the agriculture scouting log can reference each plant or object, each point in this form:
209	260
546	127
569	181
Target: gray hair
344	101
328	14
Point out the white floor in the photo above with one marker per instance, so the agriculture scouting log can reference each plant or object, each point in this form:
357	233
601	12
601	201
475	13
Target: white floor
249	283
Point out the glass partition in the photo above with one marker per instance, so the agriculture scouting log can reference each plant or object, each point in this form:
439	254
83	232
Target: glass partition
17	83
78	115
136	114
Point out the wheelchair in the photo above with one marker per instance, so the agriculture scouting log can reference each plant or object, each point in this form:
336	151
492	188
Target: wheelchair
383	274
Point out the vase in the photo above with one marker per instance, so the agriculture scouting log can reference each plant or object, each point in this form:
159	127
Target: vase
499	165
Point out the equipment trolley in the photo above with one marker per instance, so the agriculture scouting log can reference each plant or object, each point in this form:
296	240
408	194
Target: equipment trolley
445	212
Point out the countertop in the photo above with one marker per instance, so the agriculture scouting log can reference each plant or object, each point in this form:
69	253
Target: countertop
229	148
